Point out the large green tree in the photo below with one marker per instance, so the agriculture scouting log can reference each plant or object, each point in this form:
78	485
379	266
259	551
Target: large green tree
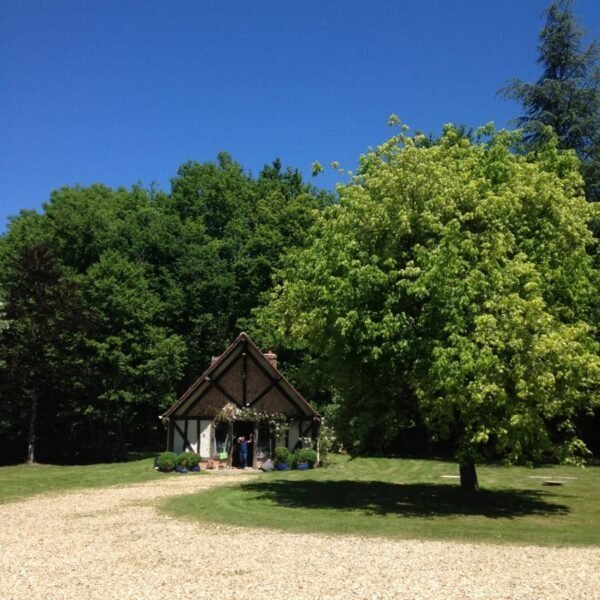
118	298
235	231
38	350
452	282
566	96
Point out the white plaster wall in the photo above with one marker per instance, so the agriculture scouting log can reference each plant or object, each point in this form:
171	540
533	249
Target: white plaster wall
192	434
205	439
177	438
294	434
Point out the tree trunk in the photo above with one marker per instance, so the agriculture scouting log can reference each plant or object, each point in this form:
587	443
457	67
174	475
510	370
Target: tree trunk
468	477
31	437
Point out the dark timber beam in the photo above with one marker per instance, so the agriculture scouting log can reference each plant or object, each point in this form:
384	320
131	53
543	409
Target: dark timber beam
226	393
213	379
278	385
304	433
263	393
186	444
245	373
226	369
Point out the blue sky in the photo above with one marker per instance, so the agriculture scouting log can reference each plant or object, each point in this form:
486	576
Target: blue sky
125	91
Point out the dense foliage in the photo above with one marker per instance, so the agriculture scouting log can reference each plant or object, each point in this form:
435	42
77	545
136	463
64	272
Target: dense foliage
189	460
452	283
306	455
450	293
282	456
566	97
116	299
167	461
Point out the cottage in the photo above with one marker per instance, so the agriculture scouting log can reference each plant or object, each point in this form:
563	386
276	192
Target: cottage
241	394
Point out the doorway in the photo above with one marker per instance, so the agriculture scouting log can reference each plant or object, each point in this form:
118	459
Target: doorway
245	428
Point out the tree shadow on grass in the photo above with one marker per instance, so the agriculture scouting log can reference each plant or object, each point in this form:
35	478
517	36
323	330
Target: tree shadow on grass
409	500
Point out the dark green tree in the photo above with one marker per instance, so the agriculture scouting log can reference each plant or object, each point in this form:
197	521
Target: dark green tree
41	342
566	97
236	231
116	299
135	362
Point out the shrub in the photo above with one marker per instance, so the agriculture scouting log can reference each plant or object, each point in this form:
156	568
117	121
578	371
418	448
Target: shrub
293	460
282	456
328	441
188	460
306	455
167	461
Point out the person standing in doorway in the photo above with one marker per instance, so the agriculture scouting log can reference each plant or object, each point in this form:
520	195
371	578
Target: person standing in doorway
243	449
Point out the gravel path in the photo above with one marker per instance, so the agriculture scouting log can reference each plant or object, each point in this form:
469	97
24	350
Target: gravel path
112	543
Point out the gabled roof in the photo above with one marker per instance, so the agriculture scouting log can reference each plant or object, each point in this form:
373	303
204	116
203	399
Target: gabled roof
244	350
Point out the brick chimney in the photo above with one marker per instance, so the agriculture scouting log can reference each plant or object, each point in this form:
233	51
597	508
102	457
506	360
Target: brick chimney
272	358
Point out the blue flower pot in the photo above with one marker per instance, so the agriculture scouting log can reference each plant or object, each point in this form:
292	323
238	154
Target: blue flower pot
282	467
302	466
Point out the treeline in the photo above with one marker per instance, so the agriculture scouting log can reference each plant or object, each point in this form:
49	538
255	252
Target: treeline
449	294
113	300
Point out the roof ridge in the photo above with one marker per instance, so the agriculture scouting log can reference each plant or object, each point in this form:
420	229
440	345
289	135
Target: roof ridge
242	337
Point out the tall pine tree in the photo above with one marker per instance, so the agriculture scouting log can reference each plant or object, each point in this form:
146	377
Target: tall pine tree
567	94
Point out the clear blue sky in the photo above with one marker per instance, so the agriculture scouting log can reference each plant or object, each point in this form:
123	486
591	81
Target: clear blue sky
124	91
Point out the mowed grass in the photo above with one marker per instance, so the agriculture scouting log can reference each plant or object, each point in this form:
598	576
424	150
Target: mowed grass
20	481
401	498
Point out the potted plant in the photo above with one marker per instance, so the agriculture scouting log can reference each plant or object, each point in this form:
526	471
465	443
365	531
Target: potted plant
167	461
282	458
305	458
188	461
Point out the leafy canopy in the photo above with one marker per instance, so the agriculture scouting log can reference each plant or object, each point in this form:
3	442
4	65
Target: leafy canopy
452	281
118	298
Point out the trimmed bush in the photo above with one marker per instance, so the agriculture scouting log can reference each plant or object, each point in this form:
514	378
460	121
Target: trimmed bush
189	460
306	455
282	456
167	461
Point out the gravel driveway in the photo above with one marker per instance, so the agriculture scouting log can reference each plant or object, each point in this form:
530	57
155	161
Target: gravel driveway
112	543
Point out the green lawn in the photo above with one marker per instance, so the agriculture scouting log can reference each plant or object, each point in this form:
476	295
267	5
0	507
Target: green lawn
400	498
22	480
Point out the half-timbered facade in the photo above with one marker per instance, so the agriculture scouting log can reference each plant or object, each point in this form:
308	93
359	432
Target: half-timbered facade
241	393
